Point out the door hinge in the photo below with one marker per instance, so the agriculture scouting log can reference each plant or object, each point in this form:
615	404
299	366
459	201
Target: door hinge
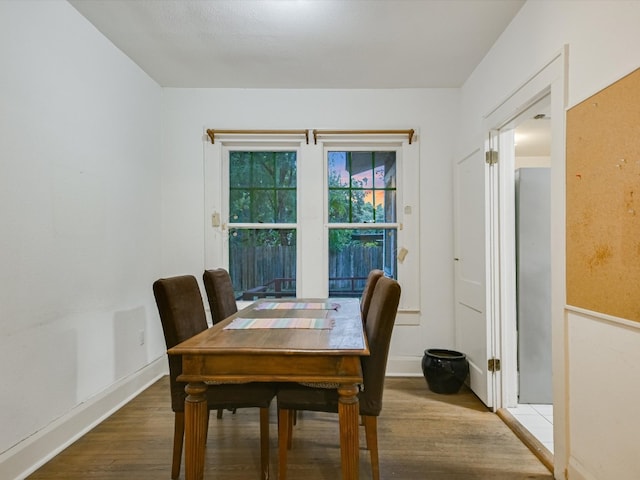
493	365
491	157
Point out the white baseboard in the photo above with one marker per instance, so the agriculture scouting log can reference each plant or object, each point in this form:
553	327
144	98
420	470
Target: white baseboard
27	456
577	472
404	366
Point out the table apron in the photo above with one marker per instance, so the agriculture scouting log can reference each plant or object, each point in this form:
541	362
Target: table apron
270	368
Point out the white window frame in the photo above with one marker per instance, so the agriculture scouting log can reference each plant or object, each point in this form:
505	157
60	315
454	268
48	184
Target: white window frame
364	226
407	214
312	269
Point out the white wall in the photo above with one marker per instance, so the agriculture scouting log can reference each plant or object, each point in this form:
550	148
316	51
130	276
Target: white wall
189	112
532	162
80	208
87	225
602	39
603	359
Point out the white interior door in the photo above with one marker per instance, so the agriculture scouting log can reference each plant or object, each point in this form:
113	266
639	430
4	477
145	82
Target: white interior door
473	332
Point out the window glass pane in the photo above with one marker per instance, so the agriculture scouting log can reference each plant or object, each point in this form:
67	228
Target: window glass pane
339	207
240	169
353	253
362	187
240	206
264	169
263	206
362	206
262	187
338	174
385	206
285	169
285	206
262	263
361	169
385	170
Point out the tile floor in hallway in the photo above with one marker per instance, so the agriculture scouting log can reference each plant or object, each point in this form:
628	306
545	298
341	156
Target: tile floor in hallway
538	419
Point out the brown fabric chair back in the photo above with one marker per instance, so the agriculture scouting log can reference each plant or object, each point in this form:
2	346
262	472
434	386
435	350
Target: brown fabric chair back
370	285
379	327
380	321
222	299
182	315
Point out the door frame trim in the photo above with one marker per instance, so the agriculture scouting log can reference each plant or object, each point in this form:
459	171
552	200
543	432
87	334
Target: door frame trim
549	80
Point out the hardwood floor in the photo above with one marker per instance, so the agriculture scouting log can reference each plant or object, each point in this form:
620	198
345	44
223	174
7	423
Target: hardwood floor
422	435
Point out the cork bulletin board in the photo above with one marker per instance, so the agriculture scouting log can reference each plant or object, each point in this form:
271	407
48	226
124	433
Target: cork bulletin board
603	201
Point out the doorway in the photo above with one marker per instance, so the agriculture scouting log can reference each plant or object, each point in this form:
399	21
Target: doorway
531	240
499	125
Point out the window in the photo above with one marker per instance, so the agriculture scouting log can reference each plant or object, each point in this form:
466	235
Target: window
287	217
262	210
361	193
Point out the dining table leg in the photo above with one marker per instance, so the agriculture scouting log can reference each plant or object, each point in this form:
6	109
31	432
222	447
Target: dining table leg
195	430
348	414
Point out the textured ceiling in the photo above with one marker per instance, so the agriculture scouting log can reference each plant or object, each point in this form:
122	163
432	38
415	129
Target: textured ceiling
303	43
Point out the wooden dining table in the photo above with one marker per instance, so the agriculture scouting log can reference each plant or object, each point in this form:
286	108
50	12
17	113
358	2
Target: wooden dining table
241	349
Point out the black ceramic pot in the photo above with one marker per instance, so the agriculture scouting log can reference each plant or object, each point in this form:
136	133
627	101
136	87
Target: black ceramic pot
444	370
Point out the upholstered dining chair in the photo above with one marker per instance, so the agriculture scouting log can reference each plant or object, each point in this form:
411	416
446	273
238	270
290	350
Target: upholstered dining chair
222	299
294	397
365	301
367	293
182	315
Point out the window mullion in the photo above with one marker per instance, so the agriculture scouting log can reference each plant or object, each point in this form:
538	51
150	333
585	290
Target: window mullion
251	189
350	196
373	184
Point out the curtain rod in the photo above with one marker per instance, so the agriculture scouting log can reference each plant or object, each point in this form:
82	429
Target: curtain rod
316	133
409	133
212	132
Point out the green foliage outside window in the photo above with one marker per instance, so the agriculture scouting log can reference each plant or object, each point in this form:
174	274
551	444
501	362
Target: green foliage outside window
262	187
362	189
262	190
